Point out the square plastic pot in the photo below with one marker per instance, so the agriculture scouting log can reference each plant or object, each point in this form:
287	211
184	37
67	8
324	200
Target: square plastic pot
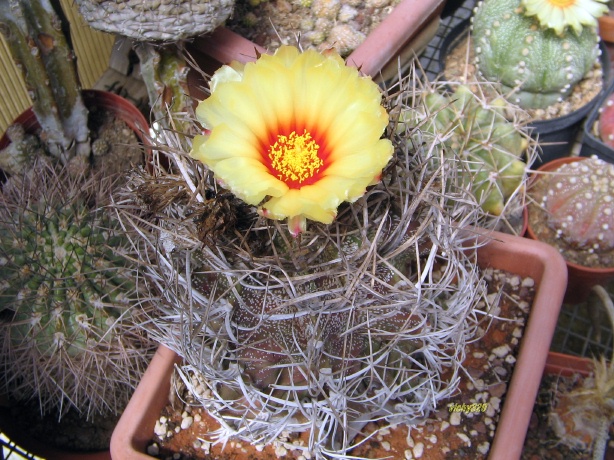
135	429
591	142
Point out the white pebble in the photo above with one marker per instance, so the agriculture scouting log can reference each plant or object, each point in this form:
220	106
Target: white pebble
418	450
153	450
385	445
484	448
186	423
464	438
455	418
528	282
160	429
502	351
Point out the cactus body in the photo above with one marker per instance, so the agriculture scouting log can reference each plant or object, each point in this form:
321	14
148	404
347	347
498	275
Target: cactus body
478	132
40	49
537	66
274	335
156	20
606	122
580	204
60	276
67	292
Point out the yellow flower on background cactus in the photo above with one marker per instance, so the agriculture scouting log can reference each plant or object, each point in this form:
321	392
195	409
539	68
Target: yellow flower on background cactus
561	14
295	133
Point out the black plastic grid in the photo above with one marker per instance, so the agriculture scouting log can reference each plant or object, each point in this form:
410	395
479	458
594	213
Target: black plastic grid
429	58
583	329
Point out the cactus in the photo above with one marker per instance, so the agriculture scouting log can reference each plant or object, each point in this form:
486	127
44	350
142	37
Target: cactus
69	290
536	65
154	20
32	30
579	202
362	319
467	127
165	74
23	149
606	122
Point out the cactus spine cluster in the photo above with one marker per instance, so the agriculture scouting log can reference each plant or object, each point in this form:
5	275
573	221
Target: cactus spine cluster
68	288
475	136
536	65
579	200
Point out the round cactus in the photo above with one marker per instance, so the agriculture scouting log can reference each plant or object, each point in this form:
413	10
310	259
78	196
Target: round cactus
537	66
67	289
155	20
579	200
487	147
606	122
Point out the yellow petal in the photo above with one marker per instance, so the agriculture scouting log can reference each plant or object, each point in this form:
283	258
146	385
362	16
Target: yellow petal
249	179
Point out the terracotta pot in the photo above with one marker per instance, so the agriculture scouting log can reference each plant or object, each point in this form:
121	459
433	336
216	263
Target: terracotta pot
606	27
111	102
398	35
522	256
127	112
580	278
567	365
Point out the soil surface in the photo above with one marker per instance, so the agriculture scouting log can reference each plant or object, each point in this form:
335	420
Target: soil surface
463	427
312	24
459	67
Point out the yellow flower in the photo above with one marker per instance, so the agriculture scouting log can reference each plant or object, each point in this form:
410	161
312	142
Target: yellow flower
294	133
560	14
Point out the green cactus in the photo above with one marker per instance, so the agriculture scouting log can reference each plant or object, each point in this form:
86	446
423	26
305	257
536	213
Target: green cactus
33	33
68	288
468	128
536	65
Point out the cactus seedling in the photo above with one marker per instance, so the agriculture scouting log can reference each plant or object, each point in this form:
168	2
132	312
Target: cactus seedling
537	64
67	293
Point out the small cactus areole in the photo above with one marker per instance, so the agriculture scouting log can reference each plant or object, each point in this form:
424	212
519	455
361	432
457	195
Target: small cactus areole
606	122
579	202
537	66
